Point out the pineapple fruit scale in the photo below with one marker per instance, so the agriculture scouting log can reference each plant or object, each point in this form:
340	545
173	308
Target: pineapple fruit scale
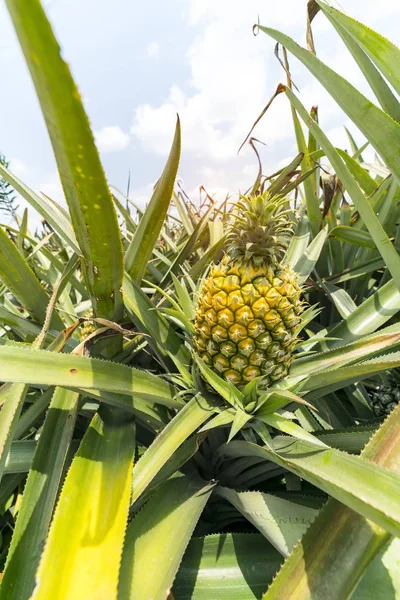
249	305
386	397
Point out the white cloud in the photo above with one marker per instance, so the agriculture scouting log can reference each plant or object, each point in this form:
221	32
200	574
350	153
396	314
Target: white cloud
227	90
153	50
232	76
19	168
244	178
111	139
52	187
219	82
215	112
219	183
142	195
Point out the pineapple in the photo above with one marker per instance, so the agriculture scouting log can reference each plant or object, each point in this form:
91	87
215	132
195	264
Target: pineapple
87	326
249	306
385	397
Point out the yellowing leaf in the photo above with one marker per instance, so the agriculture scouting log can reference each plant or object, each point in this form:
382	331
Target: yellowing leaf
82	556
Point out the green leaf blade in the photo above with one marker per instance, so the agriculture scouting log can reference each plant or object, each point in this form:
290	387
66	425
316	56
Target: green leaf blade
44	207
148	230
13	398
351	480
84	548
90	203
280	520
375	228
157	538
227	566
39	497
20	363
378	127
22	282
192	416
381	51
146	317
317	560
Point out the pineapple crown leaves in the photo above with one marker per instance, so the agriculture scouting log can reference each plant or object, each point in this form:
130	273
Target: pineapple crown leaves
259	229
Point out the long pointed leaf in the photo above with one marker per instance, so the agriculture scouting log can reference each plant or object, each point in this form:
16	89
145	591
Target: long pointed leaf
92	210
227	566
21	281
375	228
319	384
54	217
163	337
148	230
377	126
13	399
196	411
382	91
157	538
282	521
20	364
382	51
369	316
352	352
337	548
39	497
309	258
84	548
351	480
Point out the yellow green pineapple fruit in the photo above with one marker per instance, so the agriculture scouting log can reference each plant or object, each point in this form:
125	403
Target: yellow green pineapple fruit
87	326
249	305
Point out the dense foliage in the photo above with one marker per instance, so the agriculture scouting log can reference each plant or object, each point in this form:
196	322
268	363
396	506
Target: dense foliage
130	467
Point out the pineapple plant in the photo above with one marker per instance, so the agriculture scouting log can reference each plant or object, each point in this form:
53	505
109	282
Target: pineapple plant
386	395
87	326
249	306
155	474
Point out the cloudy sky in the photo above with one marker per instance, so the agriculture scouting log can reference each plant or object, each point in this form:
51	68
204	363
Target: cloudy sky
138	63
